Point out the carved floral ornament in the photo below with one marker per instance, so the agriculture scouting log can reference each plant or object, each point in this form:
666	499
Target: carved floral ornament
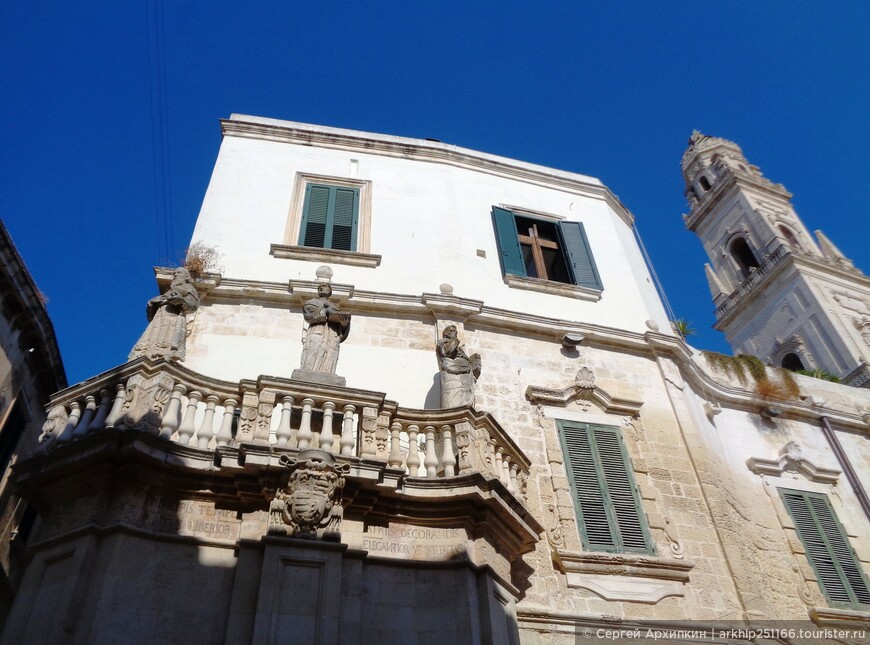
309	505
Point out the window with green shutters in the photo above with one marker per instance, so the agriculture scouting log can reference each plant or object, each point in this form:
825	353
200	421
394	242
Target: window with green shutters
606	498
547	250
330	217
827	548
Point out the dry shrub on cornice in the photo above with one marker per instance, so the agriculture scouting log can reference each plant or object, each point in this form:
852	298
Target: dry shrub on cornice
200	258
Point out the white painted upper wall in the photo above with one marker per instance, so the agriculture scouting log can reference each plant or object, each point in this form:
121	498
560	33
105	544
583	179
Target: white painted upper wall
429	218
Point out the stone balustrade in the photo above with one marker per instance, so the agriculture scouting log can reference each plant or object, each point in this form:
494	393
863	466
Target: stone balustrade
177	405
748	285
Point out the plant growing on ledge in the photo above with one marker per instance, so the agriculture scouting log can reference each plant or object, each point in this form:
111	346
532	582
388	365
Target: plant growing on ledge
684	328
820	374
200	258
766	388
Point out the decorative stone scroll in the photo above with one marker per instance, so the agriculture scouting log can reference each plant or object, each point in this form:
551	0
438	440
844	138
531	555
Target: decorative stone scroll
459	371
309	505
167	314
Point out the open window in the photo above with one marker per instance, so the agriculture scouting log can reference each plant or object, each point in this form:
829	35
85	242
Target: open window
557	251
743	256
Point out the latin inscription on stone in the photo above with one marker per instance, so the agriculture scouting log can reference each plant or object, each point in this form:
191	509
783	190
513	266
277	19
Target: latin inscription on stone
192	517
414	542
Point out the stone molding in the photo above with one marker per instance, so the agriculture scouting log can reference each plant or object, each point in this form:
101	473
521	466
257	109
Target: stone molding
623	564
791	460
246	477
840	618
252	127
311	254
650	343
624	576
584	388
553	288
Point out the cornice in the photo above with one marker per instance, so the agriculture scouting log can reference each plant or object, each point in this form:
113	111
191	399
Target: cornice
741	398
46	353
792	260
652	344
251	127
731	180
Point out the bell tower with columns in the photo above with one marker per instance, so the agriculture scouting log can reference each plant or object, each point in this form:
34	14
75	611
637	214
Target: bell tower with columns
792	300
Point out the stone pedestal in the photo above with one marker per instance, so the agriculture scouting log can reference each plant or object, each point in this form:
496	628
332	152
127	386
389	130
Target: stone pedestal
323	378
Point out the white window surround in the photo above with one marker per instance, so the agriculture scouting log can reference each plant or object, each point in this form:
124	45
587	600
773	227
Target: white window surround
613	576
553	288
800	474
294	220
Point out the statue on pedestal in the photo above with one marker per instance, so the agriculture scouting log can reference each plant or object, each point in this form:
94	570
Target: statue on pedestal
328	327
167	320
459	372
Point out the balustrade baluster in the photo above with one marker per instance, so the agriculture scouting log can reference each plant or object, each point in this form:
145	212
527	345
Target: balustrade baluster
188	425
395	458
81	428
326	436
413	460
206	426
305	435
225	434
284	433
117	404
499	466
513	486
448	459
347	430
169	423
99	421
75	413
431	460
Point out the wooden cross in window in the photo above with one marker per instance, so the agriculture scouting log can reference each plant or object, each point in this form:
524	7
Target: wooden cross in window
536	242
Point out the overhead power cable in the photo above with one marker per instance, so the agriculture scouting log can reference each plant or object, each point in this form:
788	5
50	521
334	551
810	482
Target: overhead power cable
159	130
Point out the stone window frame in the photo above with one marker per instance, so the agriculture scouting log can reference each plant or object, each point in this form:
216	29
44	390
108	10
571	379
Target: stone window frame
795	472
542	285
627	577
290	248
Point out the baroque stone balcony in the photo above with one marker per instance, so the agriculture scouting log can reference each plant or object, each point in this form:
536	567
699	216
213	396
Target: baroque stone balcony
748	285
271	415
242	484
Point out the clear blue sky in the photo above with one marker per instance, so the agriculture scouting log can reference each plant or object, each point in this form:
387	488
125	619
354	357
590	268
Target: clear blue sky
609	89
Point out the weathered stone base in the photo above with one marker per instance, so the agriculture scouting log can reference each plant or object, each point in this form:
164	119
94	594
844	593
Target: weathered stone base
122	586
323	378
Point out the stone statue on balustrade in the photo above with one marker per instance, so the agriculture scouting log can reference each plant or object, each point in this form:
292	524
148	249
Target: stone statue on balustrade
459	371
328	327
167	320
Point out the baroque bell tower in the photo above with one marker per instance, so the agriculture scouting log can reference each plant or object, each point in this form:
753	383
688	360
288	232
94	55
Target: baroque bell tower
791	300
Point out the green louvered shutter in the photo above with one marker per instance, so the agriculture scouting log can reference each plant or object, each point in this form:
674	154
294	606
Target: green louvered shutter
579	255
330	216
605	495
827	548
508	243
